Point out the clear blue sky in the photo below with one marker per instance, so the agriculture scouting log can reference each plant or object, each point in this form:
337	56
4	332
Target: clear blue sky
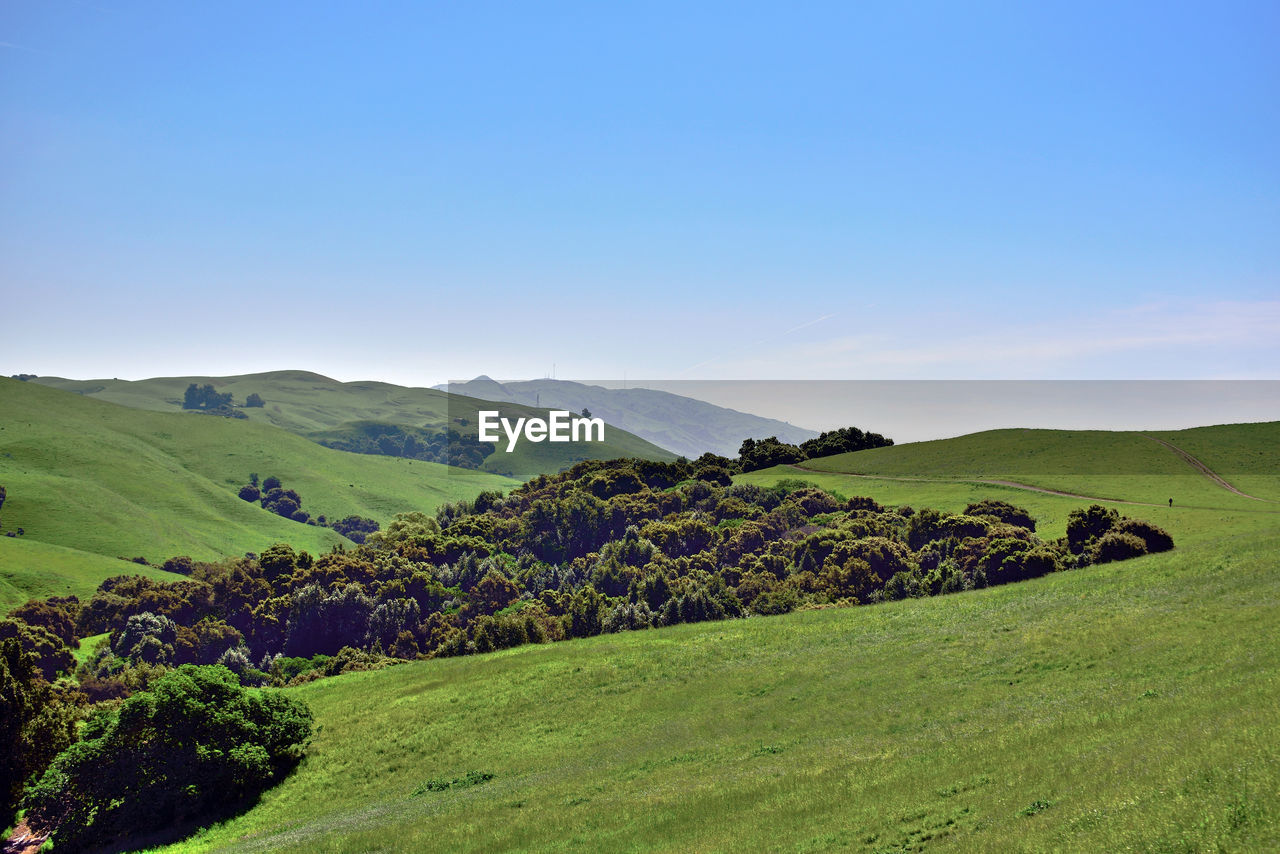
424	191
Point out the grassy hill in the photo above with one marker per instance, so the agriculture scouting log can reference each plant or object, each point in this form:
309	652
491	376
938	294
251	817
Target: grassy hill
1127	706
324	409
34	570
1097	463
121	482
687	426
1247	455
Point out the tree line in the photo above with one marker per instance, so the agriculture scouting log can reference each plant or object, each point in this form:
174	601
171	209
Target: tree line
765	453
601	547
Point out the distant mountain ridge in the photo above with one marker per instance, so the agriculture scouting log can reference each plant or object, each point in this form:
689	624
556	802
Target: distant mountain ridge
685	425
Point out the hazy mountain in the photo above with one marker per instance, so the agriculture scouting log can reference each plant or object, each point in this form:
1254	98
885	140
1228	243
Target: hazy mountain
681	424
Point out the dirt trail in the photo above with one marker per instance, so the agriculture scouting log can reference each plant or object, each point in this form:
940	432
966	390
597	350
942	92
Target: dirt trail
1204	469
1009	483
23	840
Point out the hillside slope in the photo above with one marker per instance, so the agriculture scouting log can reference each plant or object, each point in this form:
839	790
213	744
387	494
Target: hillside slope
326	410
30	569
1119	707
124	482
1101	463
1247	455
682	424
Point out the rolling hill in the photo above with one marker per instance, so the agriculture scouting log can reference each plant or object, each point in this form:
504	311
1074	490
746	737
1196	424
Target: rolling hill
1126	706
121	482
30	569
1138	466
682	424
332	412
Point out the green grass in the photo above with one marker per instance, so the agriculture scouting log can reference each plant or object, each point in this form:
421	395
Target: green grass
35	570
1098	463
1135	700
1130	706
123	482
1050	511
88	646
1245	454
318	407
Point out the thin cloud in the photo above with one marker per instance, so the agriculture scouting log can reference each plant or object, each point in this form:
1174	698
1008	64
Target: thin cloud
805	325
24	48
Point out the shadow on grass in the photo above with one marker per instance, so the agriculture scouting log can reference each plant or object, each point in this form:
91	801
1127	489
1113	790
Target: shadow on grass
174	831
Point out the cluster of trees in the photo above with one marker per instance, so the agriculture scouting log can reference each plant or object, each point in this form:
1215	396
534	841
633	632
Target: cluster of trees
188	743
38	719
416	443
194	747
764	453
206	398
272	495
601	547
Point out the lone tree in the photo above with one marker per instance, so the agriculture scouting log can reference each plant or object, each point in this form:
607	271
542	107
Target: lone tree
254	400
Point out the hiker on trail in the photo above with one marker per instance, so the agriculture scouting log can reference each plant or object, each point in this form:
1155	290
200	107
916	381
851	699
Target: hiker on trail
1170	502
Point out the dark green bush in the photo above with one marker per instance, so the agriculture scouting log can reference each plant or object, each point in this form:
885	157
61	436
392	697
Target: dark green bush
37	720
1087	525
1004	511
194	745
1118	546
1156	538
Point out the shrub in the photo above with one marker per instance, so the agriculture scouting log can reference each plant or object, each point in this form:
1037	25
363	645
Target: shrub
1004	511
1118	546
195	743
36	721
780	600
628	616
148	637
180	564
1156	538
1085	526
45	648
58	615
355	528
903	585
